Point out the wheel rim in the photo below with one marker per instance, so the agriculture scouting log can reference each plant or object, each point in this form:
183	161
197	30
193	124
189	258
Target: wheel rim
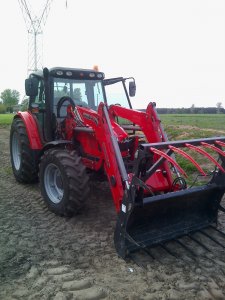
16	151
53	183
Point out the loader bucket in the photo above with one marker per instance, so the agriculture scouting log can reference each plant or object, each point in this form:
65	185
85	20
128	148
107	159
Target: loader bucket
166	217
159	218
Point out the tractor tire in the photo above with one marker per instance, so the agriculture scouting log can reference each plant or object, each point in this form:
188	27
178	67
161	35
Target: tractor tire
24	160
64	182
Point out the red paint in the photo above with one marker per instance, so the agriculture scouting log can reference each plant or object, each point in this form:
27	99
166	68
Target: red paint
184	154
94	143
32	130
203	152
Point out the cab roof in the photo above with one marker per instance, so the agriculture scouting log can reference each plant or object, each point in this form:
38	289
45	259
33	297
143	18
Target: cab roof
74	73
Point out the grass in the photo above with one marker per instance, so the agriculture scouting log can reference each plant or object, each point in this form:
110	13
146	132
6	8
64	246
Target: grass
182	127
206	121
185	127
6	119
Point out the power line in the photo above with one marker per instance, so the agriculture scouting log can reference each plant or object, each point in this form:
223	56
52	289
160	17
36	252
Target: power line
35	24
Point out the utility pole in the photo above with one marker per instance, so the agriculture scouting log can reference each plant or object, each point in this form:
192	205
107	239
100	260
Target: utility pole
35	24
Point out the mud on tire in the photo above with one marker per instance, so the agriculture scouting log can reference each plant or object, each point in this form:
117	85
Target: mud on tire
24	160
64	182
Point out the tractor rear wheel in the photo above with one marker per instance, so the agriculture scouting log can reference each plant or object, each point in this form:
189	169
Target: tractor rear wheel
24	160
64	182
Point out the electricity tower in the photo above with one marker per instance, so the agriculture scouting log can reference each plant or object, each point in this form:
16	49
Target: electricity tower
35	23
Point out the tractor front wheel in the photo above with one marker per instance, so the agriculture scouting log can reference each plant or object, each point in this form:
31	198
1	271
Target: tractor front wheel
24	160
64	182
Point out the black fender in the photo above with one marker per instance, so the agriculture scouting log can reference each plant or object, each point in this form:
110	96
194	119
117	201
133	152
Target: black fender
56	144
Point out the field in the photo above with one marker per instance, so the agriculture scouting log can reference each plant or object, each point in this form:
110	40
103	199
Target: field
201	121
184	127
43	256
209	121
6	119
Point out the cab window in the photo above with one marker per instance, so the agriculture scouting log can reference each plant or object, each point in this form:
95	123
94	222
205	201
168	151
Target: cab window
40	98
85	93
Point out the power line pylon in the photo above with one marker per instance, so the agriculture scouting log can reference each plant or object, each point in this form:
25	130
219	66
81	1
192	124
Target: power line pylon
35	24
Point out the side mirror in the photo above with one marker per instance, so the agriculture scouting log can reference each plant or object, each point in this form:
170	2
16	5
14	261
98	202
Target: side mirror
31	87
132	88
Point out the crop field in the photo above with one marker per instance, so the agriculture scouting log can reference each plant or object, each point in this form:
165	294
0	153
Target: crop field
44	256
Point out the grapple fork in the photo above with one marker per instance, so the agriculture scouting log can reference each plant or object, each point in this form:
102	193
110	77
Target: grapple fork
148	220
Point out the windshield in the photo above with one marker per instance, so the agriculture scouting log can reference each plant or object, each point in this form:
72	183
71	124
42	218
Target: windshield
86	93
115	94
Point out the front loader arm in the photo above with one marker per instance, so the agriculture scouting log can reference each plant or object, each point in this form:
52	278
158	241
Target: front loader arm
147	121
150	125
113	162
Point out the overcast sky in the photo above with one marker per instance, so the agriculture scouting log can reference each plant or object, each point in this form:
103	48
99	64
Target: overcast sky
175	49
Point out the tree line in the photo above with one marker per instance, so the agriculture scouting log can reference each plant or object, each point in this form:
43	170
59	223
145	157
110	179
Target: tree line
195	110
8	99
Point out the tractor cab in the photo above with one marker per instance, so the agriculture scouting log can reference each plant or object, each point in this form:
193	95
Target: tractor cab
53	90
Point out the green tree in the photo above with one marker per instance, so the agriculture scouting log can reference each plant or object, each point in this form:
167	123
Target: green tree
10	98
2	108
192	109
218	106
24	104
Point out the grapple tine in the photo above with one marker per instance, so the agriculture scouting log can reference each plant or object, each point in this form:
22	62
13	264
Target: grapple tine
220	143
198	242
206	154
166	156
184	154
168	250
146	250
136	261
213	239
221	152
185	247
221	232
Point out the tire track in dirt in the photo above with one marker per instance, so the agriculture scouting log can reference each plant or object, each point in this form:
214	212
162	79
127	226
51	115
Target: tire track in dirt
27	224
47	257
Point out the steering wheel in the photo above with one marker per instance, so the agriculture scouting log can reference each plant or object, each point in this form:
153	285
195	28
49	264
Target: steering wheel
61	102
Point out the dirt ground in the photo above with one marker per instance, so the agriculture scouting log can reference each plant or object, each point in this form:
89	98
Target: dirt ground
43	256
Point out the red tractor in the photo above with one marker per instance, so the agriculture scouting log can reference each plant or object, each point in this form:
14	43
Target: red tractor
79	124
